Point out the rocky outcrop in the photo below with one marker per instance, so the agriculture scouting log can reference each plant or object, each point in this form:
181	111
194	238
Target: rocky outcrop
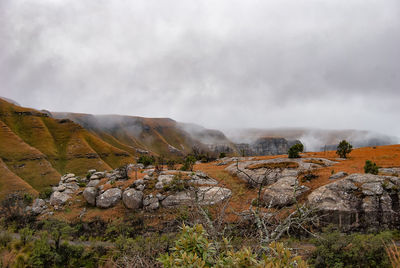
203	196
393	171
271	170
132	198
359	201
38	206
109	198
284	192
338	175
59	198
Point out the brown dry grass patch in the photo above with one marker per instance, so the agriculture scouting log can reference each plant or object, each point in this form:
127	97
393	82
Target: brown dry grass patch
273	165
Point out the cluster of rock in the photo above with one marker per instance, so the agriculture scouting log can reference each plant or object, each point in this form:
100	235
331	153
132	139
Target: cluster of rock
66	187
38	206
359	201
282	167
69	184
133	197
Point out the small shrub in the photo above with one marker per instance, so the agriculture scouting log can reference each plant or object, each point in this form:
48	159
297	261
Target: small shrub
45	193
343	149
171	164
188	163
295	150
222	155
371	167
28	199
146	160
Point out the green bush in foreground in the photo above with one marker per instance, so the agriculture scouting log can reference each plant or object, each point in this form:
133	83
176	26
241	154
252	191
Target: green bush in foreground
354	250
194	249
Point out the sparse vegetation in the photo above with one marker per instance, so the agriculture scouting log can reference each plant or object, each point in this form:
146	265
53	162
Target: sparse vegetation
295	150
188	163
344	148
371	167
273	165
222	155
146	160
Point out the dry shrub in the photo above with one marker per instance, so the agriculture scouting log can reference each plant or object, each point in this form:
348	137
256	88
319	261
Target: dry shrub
393	253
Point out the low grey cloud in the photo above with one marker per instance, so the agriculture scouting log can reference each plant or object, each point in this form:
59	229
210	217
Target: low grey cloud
222	64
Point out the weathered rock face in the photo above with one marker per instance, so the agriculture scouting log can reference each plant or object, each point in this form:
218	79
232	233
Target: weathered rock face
204	195
38	206
394	171
338	175
281	167
267	146
132	199
59	198
109	198
360	201
90	194
283	192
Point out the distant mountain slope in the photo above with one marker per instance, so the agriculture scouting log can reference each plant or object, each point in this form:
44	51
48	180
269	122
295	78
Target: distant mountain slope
315	139
161	136
38	148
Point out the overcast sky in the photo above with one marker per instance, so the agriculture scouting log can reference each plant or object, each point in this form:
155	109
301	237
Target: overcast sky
222	64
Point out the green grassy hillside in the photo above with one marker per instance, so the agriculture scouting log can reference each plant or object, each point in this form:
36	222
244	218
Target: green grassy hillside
37	148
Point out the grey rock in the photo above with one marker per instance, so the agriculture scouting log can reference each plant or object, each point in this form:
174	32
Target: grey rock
109	198
160	197
159	185
38	206
59	198
59	188
140	187
203	195
284	192
359	201
90	194
67	176
139	182
338	175
73	179
132	199
93	183
91	171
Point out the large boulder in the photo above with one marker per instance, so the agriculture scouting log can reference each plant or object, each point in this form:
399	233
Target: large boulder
59	198
90	194
109	198
359	201
132	199
204	195
284	192
271	170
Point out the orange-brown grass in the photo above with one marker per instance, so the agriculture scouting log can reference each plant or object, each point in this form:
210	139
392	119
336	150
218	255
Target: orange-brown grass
273	165
383	156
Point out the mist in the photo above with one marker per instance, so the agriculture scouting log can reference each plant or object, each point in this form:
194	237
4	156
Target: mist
225	64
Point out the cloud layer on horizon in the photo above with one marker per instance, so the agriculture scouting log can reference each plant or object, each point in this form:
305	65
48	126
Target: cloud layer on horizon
222	64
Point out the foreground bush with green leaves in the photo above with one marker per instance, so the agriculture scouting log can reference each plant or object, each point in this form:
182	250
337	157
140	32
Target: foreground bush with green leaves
194	249
354	250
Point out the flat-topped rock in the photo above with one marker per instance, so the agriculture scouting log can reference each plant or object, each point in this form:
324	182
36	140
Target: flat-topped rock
360	201
203	195
284	192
